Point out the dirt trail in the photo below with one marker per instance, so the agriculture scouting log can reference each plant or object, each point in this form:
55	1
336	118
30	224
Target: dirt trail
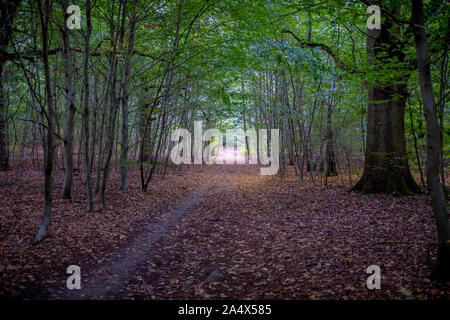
103	281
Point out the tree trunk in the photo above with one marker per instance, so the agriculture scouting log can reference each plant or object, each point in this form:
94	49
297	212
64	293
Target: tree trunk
49	148
386	165
442	103
125	112
8	10
442	265
112	94
87	160
70	113
330	154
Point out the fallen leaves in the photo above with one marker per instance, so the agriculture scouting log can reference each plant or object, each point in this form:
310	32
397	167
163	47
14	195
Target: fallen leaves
268	240
75	235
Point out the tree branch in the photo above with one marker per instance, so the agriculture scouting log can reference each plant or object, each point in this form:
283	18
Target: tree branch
311	44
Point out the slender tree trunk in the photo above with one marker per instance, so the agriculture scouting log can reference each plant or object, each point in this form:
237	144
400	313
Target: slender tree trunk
442	266
87	160
94	125
8	10
125	111
49	148
4	154
70	113
112	94
330	154
416	148
100	151
308	150
442	102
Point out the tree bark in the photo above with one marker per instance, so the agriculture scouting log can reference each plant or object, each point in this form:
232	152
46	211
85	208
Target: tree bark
125	111
8	10
330	154
114	103
70	113
49	148
87	160
386	167
442	265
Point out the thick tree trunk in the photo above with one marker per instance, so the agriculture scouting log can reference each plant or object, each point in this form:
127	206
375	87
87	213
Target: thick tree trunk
442	266
70	113
8	10
386	165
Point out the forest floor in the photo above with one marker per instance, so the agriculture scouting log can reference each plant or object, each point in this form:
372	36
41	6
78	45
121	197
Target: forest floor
216	232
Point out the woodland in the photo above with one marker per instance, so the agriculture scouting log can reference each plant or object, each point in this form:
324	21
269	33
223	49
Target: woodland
92	93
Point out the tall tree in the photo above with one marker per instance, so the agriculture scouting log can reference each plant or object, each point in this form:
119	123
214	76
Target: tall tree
442	266
44	14
114	32
8	9
86	114
386	166
330	158
70	111
125	98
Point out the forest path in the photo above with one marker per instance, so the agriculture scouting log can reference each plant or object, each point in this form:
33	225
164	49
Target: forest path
102	281
262	239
